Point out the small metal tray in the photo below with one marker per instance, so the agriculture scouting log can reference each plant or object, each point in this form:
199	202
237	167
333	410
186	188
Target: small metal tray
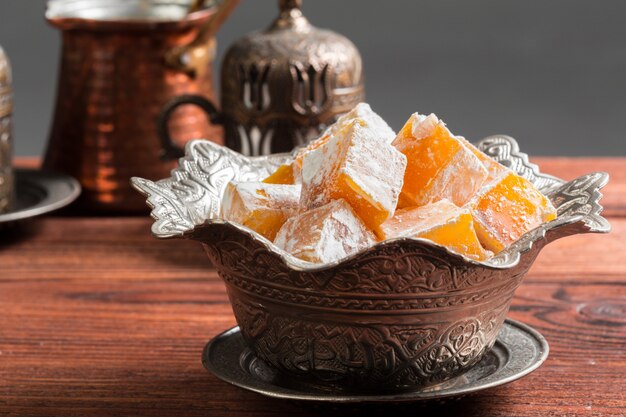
37	193
519	350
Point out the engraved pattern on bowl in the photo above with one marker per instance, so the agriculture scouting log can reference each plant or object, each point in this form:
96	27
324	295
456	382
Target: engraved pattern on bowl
402	314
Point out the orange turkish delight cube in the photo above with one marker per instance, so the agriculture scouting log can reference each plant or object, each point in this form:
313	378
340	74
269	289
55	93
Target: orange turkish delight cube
324	234
439	165
361	111
507	208
290	173
259	206
355	165
283	175
494	169
364	113
441	222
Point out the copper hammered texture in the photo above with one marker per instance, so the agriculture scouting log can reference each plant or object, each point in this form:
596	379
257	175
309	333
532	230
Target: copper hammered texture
113	82
402	314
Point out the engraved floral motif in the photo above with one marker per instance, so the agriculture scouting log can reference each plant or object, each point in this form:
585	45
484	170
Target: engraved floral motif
362	355
396	268
581	198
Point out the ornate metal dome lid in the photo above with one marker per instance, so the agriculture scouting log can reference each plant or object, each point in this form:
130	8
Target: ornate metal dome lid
282	86
293	40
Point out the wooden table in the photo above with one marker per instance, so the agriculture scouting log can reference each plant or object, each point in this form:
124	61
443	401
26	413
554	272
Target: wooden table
98	318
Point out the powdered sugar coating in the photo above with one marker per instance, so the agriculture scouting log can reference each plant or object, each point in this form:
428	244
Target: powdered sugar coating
442	222
494	169
361	112
422	125
250	196
354	155
440	165
450	184
377	169
259	206
507	208
324	234
319	167
364	112
416	220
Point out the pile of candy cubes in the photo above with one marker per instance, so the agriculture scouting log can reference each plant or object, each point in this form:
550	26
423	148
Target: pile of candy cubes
360	183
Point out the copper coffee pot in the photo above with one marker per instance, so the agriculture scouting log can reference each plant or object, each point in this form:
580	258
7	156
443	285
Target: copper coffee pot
122	60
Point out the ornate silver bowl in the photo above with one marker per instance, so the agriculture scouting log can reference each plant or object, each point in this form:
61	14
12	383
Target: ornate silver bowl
402	314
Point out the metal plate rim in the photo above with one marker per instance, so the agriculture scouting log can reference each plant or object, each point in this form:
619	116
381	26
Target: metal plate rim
59	191
403	397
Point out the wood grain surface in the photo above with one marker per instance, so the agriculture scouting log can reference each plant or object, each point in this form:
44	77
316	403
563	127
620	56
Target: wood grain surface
97	318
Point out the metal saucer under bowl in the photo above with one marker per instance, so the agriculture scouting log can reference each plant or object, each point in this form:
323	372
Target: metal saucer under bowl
519	349
39	192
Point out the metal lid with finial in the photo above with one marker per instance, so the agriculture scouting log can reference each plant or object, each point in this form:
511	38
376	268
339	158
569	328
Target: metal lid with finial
282	86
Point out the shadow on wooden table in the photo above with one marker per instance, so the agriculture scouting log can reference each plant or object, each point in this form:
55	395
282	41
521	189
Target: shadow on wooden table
13	233
475	405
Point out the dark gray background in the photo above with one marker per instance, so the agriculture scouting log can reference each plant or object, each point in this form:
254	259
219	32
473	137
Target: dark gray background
550	73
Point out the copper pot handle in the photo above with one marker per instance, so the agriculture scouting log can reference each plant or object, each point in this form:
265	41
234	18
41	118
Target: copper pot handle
194	57
171	150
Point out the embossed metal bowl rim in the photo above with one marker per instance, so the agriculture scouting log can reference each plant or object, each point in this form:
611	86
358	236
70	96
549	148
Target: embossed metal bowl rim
188	201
